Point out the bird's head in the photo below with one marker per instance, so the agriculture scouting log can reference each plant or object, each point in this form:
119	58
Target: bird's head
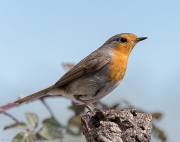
124	43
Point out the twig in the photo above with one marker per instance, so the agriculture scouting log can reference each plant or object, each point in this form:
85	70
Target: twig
12	117
48	108
7	106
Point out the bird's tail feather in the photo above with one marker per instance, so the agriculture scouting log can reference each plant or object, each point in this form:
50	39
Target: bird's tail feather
34	95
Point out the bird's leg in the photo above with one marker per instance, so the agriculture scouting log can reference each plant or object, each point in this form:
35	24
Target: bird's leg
77	97
88	107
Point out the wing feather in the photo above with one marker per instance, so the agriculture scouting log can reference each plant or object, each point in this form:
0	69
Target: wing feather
85	67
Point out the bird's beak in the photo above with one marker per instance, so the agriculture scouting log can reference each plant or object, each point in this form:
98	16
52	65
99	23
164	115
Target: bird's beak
140	39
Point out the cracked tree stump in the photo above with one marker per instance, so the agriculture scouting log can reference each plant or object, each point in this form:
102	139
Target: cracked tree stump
127	125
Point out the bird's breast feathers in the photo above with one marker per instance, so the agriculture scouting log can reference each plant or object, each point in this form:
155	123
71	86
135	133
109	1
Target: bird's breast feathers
117	67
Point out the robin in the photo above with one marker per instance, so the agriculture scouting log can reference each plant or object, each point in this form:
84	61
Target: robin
96	75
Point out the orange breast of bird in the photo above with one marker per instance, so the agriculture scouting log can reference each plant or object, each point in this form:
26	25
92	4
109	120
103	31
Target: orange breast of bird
117	67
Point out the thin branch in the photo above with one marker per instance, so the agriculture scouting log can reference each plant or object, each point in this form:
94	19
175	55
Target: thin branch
7	106
12	117
48	108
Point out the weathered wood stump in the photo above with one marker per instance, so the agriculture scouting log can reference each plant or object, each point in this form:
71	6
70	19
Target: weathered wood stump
126	125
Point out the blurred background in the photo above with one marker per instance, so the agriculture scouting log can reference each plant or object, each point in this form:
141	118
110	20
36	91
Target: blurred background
37	36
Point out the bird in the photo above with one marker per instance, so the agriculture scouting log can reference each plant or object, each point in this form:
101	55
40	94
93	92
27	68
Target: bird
96	75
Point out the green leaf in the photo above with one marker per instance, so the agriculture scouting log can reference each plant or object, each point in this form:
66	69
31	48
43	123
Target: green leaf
52	121
45	134
51	129
21	125
71	132
23	137
51	132
39	137
19	137
33	119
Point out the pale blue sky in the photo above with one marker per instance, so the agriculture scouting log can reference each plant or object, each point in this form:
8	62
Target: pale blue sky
37	36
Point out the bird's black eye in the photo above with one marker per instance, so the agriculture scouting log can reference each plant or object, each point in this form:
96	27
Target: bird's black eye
123	40
119	39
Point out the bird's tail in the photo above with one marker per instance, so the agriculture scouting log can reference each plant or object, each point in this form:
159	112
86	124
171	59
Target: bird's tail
34	95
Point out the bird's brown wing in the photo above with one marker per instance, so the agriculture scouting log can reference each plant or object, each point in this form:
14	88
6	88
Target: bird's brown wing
87	66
